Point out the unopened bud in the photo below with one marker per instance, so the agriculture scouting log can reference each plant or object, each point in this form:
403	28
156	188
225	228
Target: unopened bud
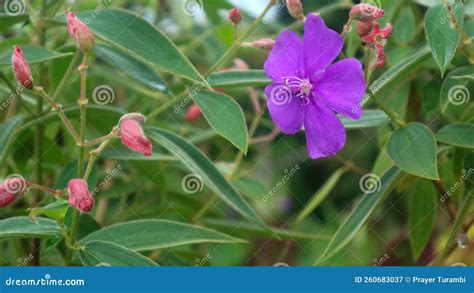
240	64
366	12
79	31
193	113
234	16
265	44
132	135
10	189
79	196
21	68
295	8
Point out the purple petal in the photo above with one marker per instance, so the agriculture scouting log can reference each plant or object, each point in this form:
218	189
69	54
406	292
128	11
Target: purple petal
285	58
285	109
321	45
325	134
341	87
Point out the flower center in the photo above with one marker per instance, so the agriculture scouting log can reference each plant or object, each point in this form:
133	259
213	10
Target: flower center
302	87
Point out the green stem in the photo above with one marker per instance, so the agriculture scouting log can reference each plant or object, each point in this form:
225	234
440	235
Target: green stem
392	114
39	133
80	161
58	109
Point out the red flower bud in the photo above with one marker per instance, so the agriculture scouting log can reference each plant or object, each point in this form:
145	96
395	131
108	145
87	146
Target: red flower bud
80	33
10	189
366	12
21	68
364	28
295	8
132	136
79	195
234	16
193	113
265	44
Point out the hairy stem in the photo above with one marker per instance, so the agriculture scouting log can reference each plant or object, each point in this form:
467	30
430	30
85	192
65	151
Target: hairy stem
58	109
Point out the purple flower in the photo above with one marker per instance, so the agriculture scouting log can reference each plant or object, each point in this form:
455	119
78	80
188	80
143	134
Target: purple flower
308	91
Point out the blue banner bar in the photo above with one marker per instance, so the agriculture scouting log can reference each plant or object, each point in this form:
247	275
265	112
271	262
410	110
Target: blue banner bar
237	279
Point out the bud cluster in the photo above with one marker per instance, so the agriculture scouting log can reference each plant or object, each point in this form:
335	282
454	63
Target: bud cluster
369	29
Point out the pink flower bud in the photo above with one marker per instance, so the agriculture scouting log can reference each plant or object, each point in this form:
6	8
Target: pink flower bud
364	28
193	113
240	64
132	136
79	195
21	68
366	12
234	16
265	44
80	33
10	189
295	8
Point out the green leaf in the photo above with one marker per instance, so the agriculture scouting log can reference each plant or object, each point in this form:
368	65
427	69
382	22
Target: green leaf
56	210
25	227
422	216
239	78
249	230
33	54
442	36
250	187
320	195
458	134
131	66
101	253
370	118
362	212
225	116
396	74
413	149
135	36
456	91
403	30
157	234
8	20
197	161
7	129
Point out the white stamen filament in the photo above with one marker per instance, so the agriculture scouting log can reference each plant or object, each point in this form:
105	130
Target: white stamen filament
302	86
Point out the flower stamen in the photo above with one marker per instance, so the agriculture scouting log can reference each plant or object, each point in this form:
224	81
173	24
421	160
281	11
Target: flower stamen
302	87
